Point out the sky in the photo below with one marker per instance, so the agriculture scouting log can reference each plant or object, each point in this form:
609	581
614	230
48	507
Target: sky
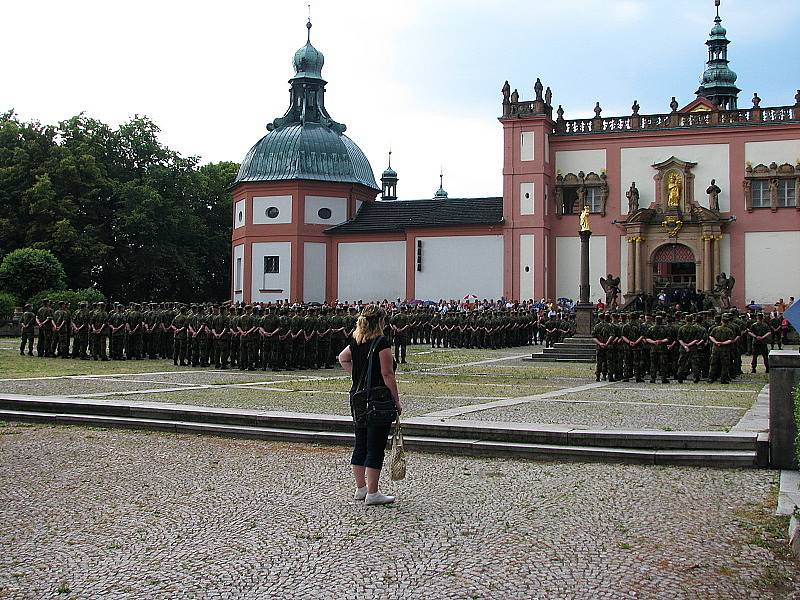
420	76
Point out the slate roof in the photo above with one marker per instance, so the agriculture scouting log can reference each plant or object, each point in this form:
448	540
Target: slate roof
399	215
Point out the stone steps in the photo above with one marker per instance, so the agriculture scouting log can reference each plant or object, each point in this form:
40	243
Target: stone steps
470	438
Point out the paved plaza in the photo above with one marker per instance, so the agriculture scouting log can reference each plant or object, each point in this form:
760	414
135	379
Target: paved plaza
95	513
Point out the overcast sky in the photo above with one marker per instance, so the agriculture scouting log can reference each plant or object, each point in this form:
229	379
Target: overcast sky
423	76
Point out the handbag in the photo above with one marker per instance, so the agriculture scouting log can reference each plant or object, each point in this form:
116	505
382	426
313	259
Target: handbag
372	405
397	461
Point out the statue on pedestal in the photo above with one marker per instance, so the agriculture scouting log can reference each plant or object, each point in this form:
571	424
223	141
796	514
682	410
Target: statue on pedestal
515	96
713	196
585	219
633	199
610	285
724	287
506	91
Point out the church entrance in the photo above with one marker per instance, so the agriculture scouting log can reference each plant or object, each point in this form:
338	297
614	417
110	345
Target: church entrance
674	267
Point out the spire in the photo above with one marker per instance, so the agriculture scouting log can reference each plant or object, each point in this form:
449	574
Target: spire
718	82
389	181
307	95
440	193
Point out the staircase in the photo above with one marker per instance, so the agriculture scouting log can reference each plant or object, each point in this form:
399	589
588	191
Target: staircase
468	438
574	349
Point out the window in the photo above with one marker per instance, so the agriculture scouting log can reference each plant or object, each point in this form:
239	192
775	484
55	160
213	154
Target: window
760	191
273	212
271	264
238	279
593	199
240	216
787	192
324	213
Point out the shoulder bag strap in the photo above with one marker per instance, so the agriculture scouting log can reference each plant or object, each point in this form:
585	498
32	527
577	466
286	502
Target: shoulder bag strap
365	375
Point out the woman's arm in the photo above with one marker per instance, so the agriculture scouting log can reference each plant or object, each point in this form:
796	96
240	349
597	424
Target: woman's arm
387	372
346	359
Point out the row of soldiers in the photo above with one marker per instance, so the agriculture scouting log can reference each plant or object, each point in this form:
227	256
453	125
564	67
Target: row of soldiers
498	328
261	337
701	346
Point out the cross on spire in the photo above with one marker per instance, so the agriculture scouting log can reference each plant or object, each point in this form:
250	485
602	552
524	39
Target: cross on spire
716	3
308	25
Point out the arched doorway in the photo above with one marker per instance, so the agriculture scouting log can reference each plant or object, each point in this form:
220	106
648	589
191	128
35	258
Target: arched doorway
674	267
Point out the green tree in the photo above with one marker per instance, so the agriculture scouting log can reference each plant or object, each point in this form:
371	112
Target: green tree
27	271
7	304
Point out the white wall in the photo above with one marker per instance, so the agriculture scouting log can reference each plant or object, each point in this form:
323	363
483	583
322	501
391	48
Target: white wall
240	214
314	271
526	267
261	204
279	282
526	205
337	206
568	267
526	151
238	273
771	266
764	153
623	265
574	161
458	265
372	271
712	163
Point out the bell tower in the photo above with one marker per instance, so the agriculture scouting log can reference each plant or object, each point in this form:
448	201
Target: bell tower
718	82
389	182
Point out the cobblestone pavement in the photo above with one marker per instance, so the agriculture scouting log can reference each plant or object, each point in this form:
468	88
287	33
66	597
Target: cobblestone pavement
90	513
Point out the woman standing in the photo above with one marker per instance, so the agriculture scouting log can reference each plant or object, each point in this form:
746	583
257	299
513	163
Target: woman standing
370	442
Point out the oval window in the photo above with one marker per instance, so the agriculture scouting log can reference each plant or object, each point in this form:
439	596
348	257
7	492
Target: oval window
324	213
273	212
527	195
240	216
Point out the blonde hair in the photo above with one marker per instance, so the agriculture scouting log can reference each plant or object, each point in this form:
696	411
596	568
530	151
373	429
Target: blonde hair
369	324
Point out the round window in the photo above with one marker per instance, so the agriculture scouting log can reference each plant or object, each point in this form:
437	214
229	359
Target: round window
240	216
527	269
527	194
324	213
272	212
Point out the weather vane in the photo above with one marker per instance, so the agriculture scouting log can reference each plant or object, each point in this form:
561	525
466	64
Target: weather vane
716	3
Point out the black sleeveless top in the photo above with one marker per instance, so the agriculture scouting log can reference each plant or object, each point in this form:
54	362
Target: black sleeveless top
359	353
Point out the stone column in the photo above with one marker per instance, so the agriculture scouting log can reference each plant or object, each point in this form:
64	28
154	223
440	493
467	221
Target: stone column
784	375
631	265
584	315
707	264
639	266
717	262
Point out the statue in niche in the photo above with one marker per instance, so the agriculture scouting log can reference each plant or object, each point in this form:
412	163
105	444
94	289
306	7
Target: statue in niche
633	199
610	285
713	192
674	185
724	287
585	218
580	198
506	91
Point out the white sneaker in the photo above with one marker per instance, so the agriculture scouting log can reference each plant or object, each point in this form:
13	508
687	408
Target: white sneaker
378	498
360	494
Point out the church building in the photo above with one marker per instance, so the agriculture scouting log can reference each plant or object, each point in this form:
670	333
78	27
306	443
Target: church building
675	200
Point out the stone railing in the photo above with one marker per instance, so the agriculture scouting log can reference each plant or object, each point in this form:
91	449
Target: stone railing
674	120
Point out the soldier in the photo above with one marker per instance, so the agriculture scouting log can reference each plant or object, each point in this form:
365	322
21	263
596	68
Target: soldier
658	339
400	326
603	336
324	340
28	325
690	337
298	339
116	325
44	320
203	345
775	324
180	327
722	337
99	327
615	366
62	323
631	344
760	333
285	348
80	331
220	335
133	332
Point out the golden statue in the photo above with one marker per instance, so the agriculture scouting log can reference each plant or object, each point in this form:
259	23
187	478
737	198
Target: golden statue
585	219
674	187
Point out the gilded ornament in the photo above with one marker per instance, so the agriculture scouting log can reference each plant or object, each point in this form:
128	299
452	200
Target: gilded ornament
674	186
585	219
672	225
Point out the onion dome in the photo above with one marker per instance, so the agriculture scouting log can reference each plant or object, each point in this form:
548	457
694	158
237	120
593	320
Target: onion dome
440	193
718	82
306	143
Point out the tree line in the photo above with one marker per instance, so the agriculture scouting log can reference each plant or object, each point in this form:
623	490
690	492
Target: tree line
122	213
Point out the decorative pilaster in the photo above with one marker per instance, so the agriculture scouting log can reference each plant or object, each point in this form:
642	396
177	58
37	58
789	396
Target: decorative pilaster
707	267
639	265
